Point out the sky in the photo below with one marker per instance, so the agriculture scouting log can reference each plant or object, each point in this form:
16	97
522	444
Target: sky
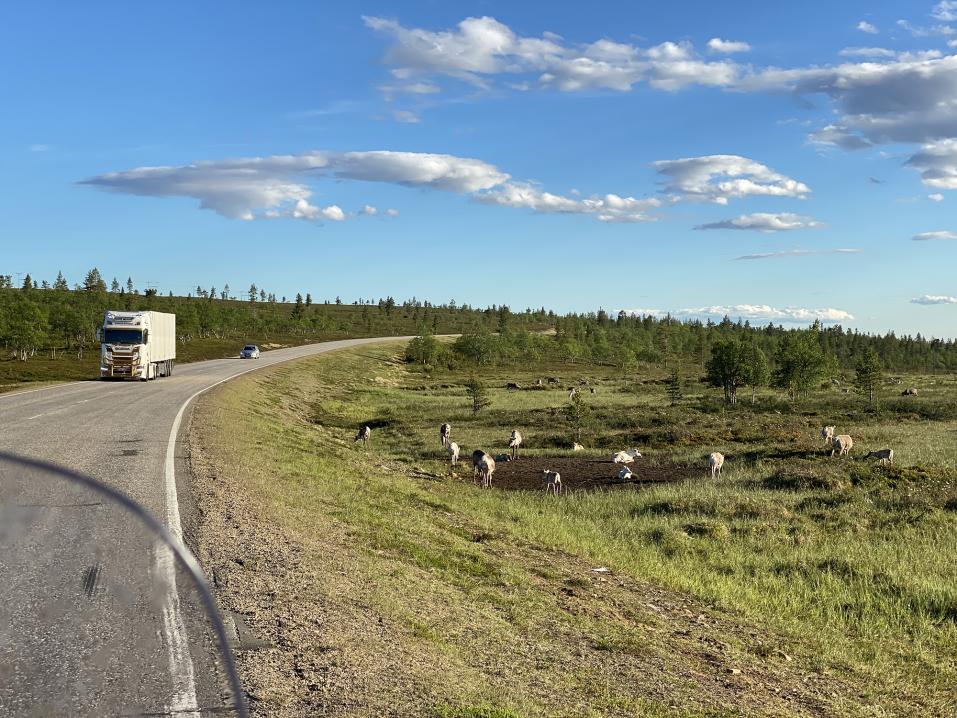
771	161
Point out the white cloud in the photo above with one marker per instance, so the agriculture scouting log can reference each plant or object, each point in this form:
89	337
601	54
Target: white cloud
911	100
406	116
716	44
865	26
929	299
754	312
241	188
608	208
938	164
479	48
838	136
280	185
940	234
945	11
796	253
765	222
920	31
410	88
936	197
867	52
718	178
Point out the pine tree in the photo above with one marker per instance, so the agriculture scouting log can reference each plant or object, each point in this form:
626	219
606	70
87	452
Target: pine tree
129	285
253	292
93	282
115	286
27	282
262	295
578	414
478	394
308	300
226	292
868	374
297	310
673	386
61	284
756	368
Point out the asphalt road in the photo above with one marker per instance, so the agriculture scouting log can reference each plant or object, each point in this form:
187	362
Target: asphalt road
95	618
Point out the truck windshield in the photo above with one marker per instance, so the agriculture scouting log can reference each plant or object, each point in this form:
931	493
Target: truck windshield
123	336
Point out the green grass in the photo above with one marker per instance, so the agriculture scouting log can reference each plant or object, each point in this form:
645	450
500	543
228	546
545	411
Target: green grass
846	565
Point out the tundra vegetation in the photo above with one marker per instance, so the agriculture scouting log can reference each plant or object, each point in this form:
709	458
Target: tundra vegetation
790	584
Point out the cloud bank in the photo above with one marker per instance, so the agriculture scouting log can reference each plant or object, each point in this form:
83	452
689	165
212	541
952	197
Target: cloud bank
754	313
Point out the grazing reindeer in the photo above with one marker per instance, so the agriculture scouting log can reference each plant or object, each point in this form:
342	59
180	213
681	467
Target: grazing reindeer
827	433
553	482
842	445
486	467
886	456
364	435
716	461
445	434
453	452
514	442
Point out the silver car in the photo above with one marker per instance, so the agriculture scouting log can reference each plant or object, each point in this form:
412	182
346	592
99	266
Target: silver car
250	351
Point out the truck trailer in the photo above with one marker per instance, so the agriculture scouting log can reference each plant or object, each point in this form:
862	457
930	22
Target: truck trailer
137	345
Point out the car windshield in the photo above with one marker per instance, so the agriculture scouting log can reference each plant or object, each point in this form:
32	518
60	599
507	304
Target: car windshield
123	336
249	348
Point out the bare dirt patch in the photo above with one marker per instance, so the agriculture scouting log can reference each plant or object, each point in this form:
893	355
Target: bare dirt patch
584	474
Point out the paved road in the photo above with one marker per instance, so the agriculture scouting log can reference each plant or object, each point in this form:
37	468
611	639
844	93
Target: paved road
95	620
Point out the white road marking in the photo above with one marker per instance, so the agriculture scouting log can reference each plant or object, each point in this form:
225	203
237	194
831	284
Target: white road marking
183	700
8	394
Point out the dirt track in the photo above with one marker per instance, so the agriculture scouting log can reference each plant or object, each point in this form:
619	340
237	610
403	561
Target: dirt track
583	474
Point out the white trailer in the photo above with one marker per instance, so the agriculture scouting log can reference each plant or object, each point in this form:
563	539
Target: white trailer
137	345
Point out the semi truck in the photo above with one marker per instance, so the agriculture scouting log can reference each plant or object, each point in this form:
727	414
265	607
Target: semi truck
137	345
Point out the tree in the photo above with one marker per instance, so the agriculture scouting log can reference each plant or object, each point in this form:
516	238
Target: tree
253	292
800	363
478	394
129	285
756	371
308	300
262	295
27	282
297	310
338	300
93	282
868	373
726	368
115	286
578	414
60	284
673	386
27	328
225	294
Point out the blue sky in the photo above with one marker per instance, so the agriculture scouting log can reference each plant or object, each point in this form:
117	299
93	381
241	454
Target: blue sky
530	154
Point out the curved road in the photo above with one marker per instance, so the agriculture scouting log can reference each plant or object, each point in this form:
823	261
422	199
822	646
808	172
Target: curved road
95	620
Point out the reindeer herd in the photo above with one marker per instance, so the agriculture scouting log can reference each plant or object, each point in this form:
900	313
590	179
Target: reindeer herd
483	463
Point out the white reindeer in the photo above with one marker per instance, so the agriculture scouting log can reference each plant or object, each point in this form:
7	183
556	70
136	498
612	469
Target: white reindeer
514	442
716	461
842	445
445	434
553	482
827	433
364	435
453	451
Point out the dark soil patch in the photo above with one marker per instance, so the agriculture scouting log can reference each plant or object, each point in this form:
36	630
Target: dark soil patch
583	474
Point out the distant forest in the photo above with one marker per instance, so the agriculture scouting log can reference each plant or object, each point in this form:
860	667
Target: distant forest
49	318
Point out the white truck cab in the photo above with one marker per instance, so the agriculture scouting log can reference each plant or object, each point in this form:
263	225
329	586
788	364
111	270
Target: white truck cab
137	345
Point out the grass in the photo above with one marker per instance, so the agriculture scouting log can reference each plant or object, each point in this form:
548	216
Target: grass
835	562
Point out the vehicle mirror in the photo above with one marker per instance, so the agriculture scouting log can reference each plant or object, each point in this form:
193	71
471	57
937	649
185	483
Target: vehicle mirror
146	336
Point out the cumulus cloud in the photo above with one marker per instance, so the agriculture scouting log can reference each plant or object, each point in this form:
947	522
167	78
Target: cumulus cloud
929	299
937	163
911	100
607	208
936	197
765	222
945	11
754	313
940	234
719	178
865	26
796	253
479	48
716	44
280	185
